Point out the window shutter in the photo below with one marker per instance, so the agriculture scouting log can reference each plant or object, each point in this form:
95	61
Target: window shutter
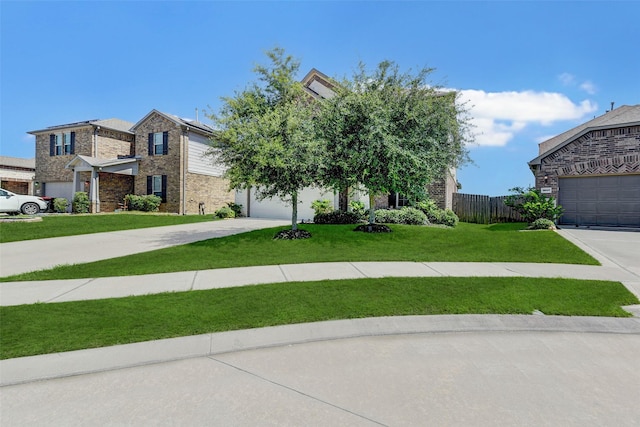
164	188
165	143
73	143
52	145
149	184
150	146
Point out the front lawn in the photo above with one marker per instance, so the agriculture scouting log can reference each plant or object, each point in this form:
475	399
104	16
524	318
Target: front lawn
49	328
71	225
332	243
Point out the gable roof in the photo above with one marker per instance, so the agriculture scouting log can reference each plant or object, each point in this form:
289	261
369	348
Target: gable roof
318	85
626	115
193	124
18	162
114	124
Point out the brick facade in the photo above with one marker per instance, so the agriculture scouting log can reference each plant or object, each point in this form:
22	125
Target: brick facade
169	164
213	191
612	151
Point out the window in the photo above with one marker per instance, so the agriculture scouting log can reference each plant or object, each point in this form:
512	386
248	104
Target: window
158	143
62	144
157	185
398	200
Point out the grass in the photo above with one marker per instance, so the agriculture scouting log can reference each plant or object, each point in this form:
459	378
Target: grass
71	225
465	243
49	328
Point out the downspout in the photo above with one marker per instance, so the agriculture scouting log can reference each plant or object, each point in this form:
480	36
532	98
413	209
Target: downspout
185	150
95	141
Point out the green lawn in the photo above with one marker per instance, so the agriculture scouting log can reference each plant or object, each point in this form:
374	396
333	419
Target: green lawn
49	328
71	225
466	242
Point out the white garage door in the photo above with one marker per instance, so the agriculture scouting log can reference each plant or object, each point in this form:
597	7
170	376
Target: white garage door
276	209
59	189
600	200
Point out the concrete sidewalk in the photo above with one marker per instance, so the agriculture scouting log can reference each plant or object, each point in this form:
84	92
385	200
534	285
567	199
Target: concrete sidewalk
16	293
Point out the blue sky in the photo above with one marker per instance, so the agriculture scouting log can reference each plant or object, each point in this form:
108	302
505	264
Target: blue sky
529	70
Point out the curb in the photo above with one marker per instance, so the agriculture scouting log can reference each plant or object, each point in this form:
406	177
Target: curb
58	365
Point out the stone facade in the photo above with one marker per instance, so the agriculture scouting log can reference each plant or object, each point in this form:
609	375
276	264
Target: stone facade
612	151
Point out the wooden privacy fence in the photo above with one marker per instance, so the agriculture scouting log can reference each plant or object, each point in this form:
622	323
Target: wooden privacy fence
483	209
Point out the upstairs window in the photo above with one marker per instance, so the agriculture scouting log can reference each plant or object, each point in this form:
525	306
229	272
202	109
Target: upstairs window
159	143
62	144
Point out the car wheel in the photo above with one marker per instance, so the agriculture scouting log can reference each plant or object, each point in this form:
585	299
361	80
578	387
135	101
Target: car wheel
30	208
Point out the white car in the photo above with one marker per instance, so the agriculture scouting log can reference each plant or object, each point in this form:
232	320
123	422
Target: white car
15	203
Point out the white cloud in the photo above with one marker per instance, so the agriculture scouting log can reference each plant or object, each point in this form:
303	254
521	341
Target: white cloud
498	116
589	87
567	79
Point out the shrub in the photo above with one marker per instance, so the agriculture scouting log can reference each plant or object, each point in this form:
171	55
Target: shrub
321	207
60	204
542	224
435	215
449	218
406	215
532	204
80	202
357	207
225	212
388	216
337	217
148	203
236	208
413	216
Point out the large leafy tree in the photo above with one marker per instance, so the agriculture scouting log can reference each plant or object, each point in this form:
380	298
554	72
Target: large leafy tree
390	132
266	137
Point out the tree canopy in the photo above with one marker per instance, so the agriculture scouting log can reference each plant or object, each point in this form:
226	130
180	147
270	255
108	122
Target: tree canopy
390	132
267	137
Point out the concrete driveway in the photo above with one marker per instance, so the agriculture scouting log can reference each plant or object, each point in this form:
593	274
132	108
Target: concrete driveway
31	255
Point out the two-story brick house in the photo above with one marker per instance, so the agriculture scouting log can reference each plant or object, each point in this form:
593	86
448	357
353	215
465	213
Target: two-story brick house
594	170
319	86
108	159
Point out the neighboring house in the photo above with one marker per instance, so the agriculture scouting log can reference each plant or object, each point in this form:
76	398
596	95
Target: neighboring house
319	86
17	174
108	159
594	170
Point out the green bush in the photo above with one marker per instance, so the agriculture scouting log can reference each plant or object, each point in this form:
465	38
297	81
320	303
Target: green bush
148	203
532	204
542	224
236	208
337	217
80	202
413	216
224	212
449	218
321	207
406	215
435	215
357	207
60	204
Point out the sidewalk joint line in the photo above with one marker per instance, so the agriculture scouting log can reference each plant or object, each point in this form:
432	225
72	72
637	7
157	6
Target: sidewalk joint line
71	290
358	270
193	281
277	384
286	278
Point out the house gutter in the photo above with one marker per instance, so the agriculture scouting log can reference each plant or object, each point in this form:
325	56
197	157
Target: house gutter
185	150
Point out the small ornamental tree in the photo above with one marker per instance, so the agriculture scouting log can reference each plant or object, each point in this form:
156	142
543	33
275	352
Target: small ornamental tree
266	137
533	205
390	132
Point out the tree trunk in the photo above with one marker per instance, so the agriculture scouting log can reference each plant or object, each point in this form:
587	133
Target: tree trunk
372	208
294	213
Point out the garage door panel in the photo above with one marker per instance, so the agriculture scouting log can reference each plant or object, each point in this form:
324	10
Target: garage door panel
604	200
